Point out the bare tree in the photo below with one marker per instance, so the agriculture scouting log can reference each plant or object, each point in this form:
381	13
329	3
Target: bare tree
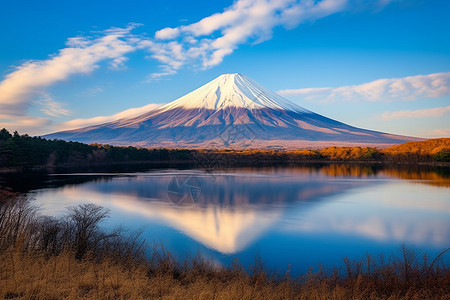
84	227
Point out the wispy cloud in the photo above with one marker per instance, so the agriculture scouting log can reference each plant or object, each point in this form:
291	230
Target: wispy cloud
206	43
90	92
421	113
438	133
392	89
51	107
129	113
24	124
81	56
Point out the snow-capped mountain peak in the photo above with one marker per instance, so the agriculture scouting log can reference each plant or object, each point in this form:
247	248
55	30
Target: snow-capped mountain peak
231	111
233	90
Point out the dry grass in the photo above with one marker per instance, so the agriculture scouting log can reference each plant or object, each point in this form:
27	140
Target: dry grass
113	267
32	276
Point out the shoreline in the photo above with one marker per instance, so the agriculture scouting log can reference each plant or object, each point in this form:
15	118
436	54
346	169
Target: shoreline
194	164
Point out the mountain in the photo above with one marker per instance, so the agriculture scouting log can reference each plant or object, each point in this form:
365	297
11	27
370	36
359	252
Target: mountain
232	111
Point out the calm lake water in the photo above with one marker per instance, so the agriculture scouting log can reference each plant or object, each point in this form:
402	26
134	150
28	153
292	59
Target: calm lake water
299	217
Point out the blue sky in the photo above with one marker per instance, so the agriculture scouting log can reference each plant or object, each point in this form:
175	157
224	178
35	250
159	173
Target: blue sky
381	64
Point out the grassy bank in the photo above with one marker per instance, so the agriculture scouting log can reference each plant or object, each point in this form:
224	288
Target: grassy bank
72	257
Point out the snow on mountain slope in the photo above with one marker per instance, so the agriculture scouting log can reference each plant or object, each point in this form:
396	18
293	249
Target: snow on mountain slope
233	90
231	111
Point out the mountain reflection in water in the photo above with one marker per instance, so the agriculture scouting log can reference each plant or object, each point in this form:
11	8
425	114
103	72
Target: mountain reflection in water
329	210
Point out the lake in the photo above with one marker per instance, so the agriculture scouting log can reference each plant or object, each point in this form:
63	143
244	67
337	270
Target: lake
299	217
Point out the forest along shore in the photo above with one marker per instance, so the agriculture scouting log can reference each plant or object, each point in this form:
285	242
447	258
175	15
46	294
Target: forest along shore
19	152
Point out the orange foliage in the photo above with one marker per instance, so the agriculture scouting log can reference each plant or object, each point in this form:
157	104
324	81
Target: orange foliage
434	149
428	147
347	153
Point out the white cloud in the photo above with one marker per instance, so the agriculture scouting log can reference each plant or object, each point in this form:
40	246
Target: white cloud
26	85
392	89
421	113
81	56
129	113
204	44
167	33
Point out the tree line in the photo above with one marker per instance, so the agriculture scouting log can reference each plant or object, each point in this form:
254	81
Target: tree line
26	151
